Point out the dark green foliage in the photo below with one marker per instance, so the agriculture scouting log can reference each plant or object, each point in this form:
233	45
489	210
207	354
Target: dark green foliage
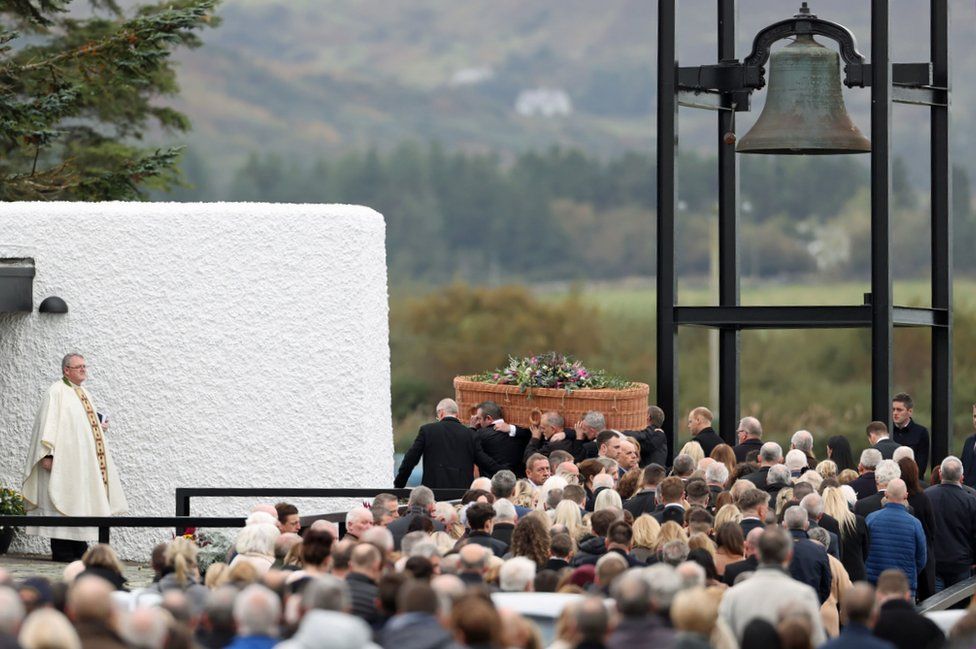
77	94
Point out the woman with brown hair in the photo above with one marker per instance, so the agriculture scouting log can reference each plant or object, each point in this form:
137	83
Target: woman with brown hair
101	560
531	539
723	453
730	542
628	485
476	622
922	510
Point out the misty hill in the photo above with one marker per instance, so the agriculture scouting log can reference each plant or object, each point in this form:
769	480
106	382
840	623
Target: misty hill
308	78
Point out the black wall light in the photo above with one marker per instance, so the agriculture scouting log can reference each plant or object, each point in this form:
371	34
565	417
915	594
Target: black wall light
53	304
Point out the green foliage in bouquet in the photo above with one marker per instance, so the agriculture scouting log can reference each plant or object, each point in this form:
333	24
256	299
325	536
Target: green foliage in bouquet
551	370
11	502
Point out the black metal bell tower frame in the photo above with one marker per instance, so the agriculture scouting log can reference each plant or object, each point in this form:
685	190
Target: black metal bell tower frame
726	88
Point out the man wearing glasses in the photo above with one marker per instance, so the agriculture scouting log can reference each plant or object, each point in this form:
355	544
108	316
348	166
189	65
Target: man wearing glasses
69	469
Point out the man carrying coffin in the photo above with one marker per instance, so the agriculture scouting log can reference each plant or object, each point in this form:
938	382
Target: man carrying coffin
69	470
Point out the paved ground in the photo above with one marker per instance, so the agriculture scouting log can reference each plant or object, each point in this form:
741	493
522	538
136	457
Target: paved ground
22	566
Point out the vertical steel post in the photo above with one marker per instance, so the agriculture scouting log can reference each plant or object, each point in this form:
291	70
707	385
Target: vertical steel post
881	289
667	133
941	189
728	241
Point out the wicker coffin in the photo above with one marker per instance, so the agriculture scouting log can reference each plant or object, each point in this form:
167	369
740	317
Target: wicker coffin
624	409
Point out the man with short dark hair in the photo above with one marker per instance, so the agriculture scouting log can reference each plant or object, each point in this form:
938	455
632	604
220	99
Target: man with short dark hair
645	500
620	539
700	427
955	518
594	547
877	432
652	439
537	469
608	444
288	519
560	552
671	491
754	505
908	432
365	568
898	622
416	625
480	522
503	442
749	434
857	614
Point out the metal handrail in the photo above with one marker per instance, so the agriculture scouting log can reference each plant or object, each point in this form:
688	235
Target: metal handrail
951	595
106	523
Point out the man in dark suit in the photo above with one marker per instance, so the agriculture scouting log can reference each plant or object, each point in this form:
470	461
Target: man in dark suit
754	504
750	438
503	442
670	492
857	614
898	622
481	522
700	427
864	485
878	436
420	504
908	432
969	456
645	500
770	455
809	563
886	471
560	552
450	452
505	518
652	439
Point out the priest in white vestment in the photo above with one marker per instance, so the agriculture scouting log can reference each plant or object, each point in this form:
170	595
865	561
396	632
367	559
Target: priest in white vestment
69	468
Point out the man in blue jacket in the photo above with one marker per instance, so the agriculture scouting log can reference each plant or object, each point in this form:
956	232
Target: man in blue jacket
897	539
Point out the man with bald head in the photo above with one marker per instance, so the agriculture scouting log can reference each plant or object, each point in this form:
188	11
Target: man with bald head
450	451
896	537
700	427
750	563
89	606
749	432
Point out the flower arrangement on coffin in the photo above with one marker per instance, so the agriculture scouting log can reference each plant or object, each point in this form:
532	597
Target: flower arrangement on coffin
213	545
552	370
11	504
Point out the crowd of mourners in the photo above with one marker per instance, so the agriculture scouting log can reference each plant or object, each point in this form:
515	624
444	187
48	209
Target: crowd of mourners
726	546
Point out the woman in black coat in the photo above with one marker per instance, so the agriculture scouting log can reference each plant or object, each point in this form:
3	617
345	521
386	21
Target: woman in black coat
853	532
922	509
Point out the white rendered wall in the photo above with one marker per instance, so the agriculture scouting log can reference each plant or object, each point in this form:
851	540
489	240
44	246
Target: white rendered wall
231	344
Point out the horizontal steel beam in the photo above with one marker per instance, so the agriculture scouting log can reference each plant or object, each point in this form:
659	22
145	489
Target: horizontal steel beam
121	521
801	317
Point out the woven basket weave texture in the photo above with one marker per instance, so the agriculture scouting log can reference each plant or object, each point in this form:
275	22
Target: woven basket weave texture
624	409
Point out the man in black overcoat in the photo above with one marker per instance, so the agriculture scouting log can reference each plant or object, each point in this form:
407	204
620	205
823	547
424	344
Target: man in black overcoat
450	451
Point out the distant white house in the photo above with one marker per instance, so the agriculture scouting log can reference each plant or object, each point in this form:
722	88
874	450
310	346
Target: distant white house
472	76
543	102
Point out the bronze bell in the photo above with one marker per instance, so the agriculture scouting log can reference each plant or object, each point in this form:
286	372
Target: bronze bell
804	112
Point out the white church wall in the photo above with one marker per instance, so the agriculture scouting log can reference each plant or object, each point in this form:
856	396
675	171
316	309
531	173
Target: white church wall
230	344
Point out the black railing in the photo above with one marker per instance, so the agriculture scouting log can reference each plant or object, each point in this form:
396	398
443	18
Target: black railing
951	595
106	523
184	520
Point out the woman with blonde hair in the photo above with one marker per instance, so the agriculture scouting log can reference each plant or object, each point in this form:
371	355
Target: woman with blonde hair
568	514
180	571
694	450
670	531
607	498
853	532
827	469
646	529
783	499
700	540
727	514
524	494
47	628
847	476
